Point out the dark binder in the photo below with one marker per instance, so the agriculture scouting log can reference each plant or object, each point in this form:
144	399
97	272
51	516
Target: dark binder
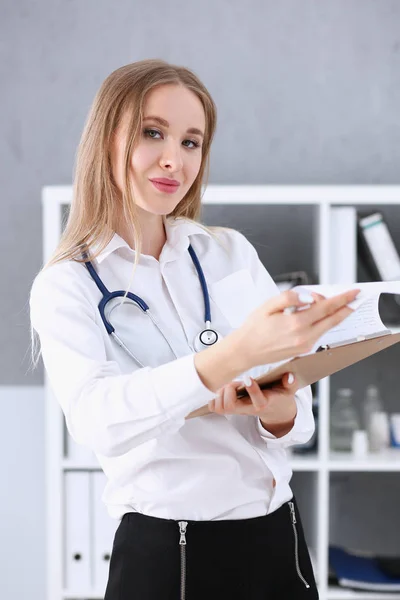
360	572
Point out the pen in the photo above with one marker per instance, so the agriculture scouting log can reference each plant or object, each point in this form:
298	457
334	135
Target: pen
305	298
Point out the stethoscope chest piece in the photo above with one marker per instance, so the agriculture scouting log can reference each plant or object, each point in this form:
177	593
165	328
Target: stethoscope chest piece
207	337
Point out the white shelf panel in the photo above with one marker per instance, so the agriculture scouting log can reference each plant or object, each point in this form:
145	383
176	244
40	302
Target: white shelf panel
298	463
81	595
319	195
305	462
341	594
72	465
387	460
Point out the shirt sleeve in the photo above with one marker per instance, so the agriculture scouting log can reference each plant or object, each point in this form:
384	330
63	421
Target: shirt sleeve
107	411
304	424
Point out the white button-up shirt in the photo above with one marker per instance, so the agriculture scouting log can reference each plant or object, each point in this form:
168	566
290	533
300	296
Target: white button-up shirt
133	418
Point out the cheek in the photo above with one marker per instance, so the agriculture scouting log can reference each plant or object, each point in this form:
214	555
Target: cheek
193	167
143	158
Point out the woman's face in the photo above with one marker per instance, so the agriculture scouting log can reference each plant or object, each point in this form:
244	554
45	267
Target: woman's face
167	159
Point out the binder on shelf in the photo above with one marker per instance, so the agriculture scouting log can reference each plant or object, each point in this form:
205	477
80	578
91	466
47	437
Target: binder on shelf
77	531
343	245
104	528
360	572
381	251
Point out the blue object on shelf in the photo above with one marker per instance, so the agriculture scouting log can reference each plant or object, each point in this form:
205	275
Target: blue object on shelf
360	572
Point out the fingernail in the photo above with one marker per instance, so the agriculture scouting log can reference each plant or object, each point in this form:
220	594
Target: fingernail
247	381
306	298
290	379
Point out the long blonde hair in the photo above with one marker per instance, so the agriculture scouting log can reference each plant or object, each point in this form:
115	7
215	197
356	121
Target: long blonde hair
97	202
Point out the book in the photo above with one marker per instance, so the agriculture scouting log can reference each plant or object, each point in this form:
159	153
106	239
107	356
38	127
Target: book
343	245
360	572
378	243
360	335
379	259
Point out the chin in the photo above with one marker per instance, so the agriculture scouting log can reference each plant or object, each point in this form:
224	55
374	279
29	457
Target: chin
166	209
162	206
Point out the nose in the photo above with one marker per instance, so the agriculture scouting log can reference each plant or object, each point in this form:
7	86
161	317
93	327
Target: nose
171	158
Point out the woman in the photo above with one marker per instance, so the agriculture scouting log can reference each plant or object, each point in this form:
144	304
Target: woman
204	503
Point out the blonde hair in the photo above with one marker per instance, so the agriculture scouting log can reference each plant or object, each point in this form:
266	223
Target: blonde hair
97	202
96	199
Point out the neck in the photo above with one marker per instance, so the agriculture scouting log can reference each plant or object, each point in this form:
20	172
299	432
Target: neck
153	233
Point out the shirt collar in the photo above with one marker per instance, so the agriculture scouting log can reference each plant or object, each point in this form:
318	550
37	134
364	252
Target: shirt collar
179	232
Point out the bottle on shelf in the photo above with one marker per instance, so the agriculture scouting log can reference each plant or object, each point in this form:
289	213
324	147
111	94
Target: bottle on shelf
375	419
372	404
344	421
379	431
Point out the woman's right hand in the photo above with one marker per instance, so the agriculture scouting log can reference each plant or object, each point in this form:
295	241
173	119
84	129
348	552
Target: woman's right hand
270	335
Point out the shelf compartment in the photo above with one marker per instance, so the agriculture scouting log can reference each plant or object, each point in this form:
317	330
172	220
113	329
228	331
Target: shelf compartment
385	461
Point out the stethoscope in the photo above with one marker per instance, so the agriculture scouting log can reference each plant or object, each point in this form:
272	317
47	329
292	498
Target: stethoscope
207	337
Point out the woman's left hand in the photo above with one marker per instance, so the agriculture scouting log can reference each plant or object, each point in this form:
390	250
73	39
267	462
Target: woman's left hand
275	406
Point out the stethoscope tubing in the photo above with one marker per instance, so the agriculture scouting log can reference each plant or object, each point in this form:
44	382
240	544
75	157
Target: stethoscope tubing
107	296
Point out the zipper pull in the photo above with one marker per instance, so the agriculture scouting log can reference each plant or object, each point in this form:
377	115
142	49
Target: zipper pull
291	505
182	528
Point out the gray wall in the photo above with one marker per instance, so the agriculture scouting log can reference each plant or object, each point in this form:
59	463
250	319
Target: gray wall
308	92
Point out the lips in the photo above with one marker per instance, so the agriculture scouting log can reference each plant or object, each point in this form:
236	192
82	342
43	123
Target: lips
164	184
165	181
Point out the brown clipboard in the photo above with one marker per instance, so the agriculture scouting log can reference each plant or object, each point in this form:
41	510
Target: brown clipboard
313	367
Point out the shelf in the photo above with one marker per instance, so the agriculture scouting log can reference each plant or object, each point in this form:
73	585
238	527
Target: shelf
305	462
73	465
80	595
311	470
387	460
336	593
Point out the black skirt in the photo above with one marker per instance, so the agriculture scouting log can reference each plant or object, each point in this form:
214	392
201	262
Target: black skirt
263	558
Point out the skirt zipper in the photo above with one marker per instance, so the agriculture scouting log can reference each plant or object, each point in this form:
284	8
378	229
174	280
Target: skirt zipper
182	542
296	544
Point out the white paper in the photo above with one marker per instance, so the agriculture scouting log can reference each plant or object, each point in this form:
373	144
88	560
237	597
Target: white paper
365	321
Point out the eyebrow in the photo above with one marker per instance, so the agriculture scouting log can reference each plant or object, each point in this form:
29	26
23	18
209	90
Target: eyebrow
165	123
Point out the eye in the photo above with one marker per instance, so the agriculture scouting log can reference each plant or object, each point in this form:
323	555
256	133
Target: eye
152	133
194	143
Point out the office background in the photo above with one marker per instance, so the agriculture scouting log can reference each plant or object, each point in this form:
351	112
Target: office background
307	92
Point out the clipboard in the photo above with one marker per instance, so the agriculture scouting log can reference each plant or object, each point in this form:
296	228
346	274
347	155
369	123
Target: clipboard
325	361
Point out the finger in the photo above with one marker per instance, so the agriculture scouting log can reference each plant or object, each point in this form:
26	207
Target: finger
324	325
289	383
230	398
287	299
256	396
317	297
218	402
329	306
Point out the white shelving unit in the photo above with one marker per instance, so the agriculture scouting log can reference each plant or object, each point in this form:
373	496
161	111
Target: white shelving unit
320	466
